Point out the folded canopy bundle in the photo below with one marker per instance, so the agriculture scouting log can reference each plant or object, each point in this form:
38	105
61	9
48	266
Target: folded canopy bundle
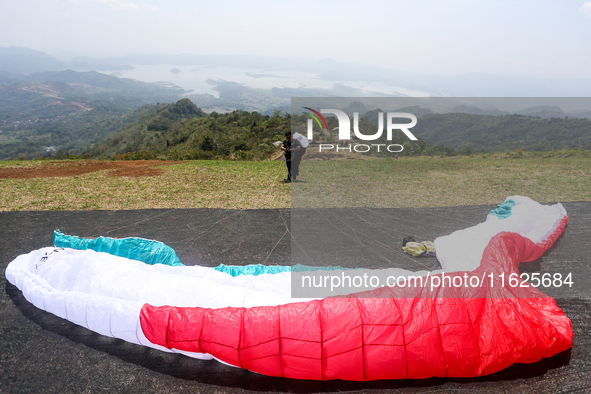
136	290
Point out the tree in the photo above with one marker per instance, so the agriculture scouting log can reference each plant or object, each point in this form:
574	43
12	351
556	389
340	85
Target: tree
207	144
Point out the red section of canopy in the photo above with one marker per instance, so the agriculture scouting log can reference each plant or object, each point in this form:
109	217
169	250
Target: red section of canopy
410	332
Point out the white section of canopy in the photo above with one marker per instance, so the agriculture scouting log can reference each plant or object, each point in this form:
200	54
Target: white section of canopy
462	250
105	293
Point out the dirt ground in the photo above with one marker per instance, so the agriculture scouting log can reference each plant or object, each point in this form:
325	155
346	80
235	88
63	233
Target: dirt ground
50	169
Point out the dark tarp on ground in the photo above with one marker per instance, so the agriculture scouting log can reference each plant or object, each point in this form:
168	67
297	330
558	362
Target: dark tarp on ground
40	352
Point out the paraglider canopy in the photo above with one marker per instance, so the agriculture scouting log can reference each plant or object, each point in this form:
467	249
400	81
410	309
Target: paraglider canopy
303	140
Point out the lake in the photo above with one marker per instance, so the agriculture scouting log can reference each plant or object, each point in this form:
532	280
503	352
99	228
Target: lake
194	79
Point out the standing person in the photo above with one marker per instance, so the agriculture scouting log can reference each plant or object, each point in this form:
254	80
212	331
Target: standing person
288	147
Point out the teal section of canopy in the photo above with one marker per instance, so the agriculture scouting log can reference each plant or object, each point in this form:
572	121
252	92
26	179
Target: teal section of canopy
155	252
253	269
503	211
259	269
145	250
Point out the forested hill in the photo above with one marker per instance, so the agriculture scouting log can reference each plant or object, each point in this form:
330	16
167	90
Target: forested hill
504	132
75	135
182	131
68	110
48	95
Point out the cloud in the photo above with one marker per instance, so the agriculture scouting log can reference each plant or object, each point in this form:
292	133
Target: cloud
586	8
148	7
126	5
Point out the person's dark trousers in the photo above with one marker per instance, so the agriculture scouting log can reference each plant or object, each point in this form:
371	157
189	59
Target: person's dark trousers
288	163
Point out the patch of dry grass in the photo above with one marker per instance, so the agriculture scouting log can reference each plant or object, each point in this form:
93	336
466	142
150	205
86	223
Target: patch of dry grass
195	184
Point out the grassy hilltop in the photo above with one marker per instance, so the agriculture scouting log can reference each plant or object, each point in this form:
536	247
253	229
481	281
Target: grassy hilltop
367	182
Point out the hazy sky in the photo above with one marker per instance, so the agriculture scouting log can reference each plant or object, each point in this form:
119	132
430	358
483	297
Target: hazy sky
541	38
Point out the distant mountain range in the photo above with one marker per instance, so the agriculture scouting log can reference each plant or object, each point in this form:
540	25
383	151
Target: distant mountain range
27	61
537	128
20	60
45	107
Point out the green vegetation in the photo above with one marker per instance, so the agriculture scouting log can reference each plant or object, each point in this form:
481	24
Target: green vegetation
504	132
181	131
68	110
90	115
24	102
75	134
